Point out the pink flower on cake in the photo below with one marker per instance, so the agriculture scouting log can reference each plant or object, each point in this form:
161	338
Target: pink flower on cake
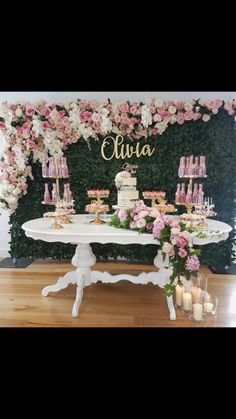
168	249
141	223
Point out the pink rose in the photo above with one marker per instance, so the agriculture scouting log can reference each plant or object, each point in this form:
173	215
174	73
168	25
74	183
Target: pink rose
124	107
188	107
2	125
188	115
30	144
45	125
95	117
83	104
65	121
182	253
165	115
154	131
65	141
61	114
133	110
85	116
47	112
180	118
94	104
29	111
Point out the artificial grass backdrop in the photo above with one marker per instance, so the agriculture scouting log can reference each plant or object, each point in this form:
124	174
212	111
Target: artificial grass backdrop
215	139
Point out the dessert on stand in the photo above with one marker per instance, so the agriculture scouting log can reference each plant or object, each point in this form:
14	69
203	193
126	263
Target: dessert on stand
96	206
159	196
56	168
191	168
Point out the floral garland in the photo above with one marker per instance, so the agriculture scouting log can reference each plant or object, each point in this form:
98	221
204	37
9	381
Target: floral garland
175	239
33	131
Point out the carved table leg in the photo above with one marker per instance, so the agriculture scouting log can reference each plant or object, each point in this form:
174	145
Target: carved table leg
165	271
63	282
83	259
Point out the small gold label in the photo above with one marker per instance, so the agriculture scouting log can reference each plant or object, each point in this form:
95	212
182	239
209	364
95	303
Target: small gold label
119	150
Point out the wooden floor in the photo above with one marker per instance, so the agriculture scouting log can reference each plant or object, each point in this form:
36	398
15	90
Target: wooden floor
122	304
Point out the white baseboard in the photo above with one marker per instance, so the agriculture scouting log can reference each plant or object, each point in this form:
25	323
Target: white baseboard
4	252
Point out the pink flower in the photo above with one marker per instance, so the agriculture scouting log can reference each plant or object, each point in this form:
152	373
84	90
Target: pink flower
188	115
83	104
30	144
45	125
133	110
61	114
141	223
2	125
180	118
29	111
154	131
192	264
47	112
180	242
65	121
157	117
94	104
188	107
65	141
124	107
85	116
182	253
168	249
133	225
165	115
106	103
122	215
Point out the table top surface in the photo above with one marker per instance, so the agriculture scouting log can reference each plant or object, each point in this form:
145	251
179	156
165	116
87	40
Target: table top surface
81	231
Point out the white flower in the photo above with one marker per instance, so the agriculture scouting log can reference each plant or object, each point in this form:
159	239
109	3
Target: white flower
173	119
19	112
159	103
148	101
146	116
172	109
161	126
206	117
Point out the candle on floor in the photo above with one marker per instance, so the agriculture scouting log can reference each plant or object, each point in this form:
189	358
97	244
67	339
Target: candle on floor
179	294
197	311
208	307
187	301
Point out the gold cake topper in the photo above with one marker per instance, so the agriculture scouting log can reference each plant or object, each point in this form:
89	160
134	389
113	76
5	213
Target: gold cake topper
131	168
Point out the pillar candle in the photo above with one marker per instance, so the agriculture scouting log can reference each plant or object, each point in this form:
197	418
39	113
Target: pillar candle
195	294
187	301
208	307
197	311
179	293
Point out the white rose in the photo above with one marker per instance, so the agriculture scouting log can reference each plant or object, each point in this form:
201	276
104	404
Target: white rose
206	117
172	109
148	102
215	111
19	112
159	103
11	200
173	119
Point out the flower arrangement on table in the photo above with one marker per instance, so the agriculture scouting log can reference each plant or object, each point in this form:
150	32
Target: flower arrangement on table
175	239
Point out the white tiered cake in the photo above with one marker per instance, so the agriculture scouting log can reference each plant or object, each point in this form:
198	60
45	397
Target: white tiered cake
127	193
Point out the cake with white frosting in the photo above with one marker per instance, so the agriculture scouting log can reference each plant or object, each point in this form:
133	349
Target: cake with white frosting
127	193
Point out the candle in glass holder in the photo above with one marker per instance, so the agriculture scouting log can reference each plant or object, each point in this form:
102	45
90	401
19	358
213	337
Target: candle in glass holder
208	307
197	311
187	301
179	294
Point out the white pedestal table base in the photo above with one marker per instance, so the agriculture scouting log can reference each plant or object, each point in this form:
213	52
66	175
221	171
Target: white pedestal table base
84	276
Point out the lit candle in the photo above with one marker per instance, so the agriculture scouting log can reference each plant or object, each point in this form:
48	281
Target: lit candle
208	307
187	301
179	293
197	311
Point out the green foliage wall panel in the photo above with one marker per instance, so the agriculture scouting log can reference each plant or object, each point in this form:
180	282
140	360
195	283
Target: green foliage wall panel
215	139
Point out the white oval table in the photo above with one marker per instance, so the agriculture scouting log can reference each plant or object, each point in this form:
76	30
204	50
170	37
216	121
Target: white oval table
82	233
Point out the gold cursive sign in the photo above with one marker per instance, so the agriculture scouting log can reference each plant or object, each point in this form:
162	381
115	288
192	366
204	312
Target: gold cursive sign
122	151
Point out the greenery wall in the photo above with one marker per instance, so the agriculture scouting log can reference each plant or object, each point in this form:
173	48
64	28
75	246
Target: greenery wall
215	139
